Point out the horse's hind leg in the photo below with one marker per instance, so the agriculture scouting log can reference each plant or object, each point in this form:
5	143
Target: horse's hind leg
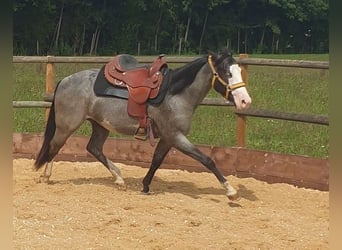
45	176
95	147
56	144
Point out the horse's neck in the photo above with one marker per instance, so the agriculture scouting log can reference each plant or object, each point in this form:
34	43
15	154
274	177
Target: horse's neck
200	86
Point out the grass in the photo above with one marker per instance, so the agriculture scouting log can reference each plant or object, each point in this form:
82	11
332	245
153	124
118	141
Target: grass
273	88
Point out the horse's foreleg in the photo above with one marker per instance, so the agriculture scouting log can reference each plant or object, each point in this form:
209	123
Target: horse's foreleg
95	147
159	154
186	147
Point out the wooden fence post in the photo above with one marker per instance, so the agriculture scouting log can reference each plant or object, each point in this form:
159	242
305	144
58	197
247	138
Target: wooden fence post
241	119
49	82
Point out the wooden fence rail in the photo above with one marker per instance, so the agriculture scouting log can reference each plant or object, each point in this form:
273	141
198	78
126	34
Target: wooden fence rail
243	60
172	59
315	119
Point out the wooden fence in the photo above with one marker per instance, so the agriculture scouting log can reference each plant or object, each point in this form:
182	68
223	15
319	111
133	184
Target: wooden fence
243	60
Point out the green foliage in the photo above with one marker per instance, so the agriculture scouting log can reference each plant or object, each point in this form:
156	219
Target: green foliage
273	88
78	27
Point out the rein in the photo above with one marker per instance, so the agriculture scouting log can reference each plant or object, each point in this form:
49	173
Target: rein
216	76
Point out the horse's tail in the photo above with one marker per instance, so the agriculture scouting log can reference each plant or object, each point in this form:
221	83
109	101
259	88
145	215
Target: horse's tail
43	155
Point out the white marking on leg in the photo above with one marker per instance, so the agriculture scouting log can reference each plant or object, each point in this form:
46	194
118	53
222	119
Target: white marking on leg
45	176
231	192
116	173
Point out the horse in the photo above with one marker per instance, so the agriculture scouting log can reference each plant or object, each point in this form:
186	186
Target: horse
182	90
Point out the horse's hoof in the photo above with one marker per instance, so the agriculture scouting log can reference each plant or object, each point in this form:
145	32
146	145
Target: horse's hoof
43	179
120	182
234	197
122	187
145	193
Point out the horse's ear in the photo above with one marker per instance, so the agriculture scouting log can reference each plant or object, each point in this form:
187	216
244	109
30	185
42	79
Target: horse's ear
223	55
226	52
214	56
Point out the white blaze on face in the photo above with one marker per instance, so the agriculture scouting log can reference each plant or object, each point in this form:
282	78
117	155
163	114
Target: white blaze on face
241	96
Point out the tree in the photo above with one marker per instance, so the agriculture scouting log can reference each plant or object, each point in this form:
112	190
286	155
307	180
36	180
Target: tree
32	21
76	27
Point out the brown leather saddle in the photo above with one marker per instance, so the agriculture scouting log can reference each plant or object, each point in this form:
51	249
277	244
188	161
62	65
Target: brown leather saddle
143	83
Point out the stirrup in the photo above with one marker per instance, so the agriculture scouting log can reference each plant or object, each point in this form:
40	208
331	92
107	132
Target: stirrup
141	134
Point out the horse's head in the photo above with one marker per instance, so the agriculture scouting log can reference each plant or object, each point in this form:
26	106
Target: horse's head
227	79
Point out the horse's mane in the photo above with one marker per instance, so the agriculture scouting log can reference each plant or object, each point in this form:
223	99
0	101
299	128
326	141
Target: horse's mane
178	79
182	77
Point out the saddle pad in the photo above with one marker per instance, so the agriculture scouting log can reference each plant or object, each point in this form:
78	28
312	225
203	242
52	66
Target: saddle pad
103	88
125	62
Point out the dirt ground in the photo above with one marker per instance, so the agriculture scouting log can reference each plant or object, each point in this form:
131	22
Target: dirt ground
83	209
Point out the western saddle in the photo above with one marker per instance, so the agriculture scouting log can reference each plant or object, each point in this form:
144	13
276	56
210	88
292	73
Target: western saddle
143	83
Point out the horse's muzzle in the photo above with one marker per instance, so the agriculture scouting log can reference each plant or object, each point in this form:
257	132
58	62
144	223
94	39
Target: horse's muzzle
242	100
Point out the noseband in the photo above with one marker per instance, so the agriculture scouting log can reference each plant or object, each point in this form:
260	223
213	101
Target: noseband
216	76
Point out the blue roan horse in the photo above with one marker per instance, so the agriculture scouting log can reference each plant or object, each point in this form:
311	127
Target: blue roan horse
181	91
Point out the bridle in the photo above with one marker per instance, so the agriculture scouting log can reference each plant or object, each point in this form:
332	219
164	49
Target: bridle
216	76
